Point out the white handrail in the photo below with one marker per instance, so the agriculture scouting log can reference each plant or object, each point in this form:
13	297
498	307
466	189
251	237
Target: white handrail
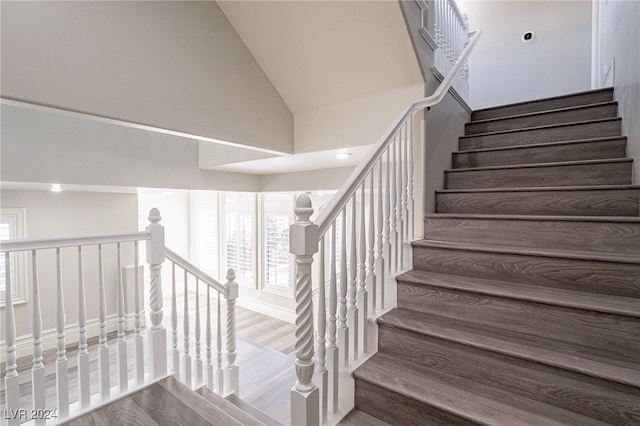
196	272
338	202
51	243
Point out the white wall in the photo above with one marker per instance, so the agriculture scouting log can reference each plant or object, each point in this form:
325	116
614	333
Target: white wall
176	65
505	70
358	122
70	214
619	38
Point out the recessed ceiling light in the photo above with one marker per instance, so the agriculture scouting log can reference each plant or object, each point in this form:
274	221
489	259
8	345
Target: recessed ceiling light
55	187
343	155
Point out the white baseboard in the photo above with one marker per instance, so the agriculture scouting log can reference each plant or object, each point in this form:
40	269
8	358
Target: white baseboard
261	307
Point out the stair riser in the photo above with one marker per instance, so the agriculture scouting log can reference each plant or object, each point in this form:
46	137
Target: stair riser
544	176
542	135
622	202
604	331
613	237
615	148
619	279
544	119
603	399
544	105
398	409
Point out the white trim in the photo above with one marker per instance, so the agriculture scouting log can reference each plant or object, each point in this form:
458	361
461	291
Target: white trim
262	307
18	218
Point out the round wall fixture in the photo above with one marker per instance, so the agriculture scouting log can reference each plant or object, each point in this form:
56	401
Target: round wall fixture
528	36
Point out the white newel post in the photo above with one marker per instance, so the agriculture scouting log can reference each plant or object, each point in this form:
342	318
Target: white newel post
157	332
232	373
303	243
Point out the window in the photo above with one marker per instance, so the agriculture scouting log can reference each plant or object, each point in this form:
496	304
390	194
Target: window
12	226
206	235
278	211
240	231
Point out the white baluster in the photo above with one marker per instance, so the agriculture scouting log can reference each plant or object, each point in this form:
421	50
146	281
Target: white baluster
210	382
405	182
11	379
388	193
157	334
332	352
37	371
380	240
304	244
103	347
371	274
84	390
198	361
139	343
174	324
62	371
353	284
394	206
343	329
232	374
123	379
363	296
219	370
410	220
186	359
400	201
321	376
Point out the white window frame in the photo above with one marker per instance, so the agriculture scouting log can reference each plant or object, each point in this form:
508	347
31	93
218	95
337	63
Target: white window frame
16	219
195	208
288	210
223	211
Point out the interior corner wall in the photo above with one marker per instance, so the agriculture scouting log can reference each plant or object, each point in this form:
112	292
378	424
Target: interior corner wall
176	65
504	70
69	214
619	35
355	123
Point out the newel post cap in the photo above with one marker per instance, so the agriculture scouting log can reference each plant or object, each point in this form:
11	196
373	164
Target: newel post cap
155	246
303	234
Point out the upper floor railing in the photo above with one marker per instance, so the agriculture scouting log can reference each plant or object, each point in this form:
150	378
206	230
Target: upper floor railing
451	28
365	225
223	380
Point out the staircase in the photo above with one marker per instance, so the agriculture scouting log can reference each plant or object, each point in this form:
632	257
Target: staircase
170	402
523	304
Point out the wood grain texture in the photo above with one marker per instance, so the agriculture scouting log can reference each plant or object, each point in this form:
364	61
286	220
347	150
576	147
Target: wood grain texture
600	363
569	201
614	278
592	149
555	102
553	133
421	390
557	116
577	173
612	235
601	399
360	418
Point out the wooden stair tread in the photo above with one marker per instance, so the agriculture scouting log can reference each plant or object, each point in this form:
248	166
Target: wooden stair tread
549	126
539	189
360	418
254	412
591	361
543	112
541	145
549	295
540	165
240	414
603	219
506	249
482	404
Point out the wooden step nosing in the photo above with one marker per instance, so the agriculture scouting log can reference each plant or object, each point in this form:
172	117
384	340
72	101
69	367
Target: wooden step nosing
521	351
547	253
552	98
528	293
544	112
535	218
543	165
542	145
548	126
543	189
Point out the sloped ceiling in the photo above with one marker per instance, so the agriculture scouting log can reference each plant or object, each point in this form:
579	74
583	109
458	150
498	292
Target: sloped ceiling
318	53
